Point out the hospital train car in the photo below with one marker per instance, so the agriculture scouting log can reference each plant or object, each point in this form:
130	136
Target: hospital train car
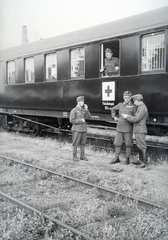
39	81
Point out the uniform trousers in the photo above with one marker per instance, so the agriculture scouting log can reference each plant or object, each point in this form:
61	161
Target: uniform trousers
119	138
140	140
123	136
79	138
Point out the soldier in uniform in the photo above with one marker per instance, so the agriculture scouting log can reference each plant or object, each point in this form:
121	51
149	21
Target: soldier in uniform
139	127
79	127
111	64
124	127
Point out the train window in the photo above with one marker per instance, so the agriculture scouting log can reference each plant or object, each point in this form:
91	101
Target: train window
153	52
77	63
29	70
11	72
110	65
51	67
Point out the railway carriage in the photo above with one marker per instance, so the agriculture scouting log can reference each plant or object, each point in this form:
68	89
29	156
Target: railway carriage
39	81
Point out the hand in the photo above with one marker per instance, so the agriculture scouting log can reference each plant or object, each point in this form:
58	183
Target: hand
116	119
125	115
116	68
102	70
83	120
86	107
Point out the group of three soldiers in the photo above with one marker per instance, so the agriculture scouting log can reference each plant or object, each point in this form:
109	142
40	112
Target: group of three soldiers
131	117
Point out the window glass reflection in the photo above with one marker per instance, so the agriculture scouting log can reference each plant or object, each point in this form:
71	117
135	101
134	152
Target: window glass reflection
51	67
77	63
153	52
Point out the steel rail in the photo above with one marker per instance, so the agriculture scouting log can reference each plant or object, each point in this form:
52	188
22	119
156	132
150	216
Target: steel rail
103	190
59	223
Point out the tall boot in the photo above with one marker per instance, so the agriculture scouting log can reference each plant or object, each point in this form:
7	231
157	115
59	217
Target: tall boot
82	155
75	158
139	161
117	153
144	159
128	153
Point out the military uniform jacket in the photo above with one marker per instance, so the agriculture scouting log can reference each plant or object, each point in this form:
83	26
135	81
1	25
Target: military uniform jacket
139	119
110	64
76	116
123	125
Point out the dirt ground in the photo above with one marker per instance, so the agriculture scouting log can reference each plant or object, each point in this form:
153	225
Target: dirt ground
149	184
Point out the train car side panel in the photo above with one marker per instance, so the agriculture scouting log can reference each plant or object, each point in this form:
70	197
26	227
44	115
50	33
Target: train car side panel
63	64
155	93
20	71
92	61
42	96
39	68
129	58
90	89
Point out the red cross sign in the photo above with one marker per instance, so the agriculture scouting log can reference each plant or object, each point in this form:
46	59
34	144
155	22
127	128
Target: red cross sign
108	91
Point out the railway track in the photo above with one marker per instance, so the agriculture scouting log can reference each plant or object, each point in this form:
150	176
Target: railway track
47	213
103	190
46	216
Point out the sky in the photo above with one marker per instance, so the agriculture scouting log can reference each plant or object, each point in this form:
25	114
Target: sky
48	18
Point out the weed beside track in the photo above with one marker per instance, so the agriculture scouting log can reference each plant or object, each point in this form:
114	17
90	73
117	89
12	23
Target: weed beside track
103	218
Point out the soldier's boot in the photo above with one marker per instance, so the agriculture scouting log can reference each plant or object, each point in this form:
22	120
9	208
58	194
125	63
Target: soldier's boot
116	158
75	158
82	155
127	161
138	161
128	153
144	159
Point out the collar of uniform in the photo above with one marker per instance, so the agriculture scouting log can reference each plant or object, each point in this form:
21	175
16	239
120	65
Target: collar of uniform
124	103
78	107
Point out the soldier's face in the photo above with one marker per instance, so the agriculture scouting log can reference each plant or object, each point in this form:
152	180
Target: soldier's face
137	103
81	103
109	55
127	99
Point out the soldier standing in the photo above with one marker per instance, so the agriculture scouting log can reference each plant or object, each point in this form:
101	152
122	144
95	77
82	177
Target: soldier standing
79	127
139	127
124	127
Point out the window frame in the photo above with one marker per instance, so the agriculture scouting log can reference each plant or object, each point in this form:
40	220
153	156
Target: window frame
70	62
31	81
56	67
102	55
11	82
153	71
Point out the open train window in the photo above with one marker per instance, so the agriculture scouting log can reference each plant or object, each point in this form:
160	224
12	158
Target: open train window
77	57
11	72
110	64
51	67
29	70
153	52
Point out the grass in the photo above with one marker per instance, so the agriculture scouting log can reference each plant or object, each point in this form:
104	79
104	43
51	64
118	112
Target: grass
84	209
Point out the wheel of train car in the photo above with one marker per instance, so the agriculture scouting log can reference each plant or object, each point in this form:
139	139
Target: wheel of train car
35	130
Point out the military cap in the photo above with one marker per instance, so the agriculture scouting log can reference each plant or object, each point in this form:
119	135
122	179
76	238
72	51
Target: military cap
80	98
108	50
127	93
137	97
